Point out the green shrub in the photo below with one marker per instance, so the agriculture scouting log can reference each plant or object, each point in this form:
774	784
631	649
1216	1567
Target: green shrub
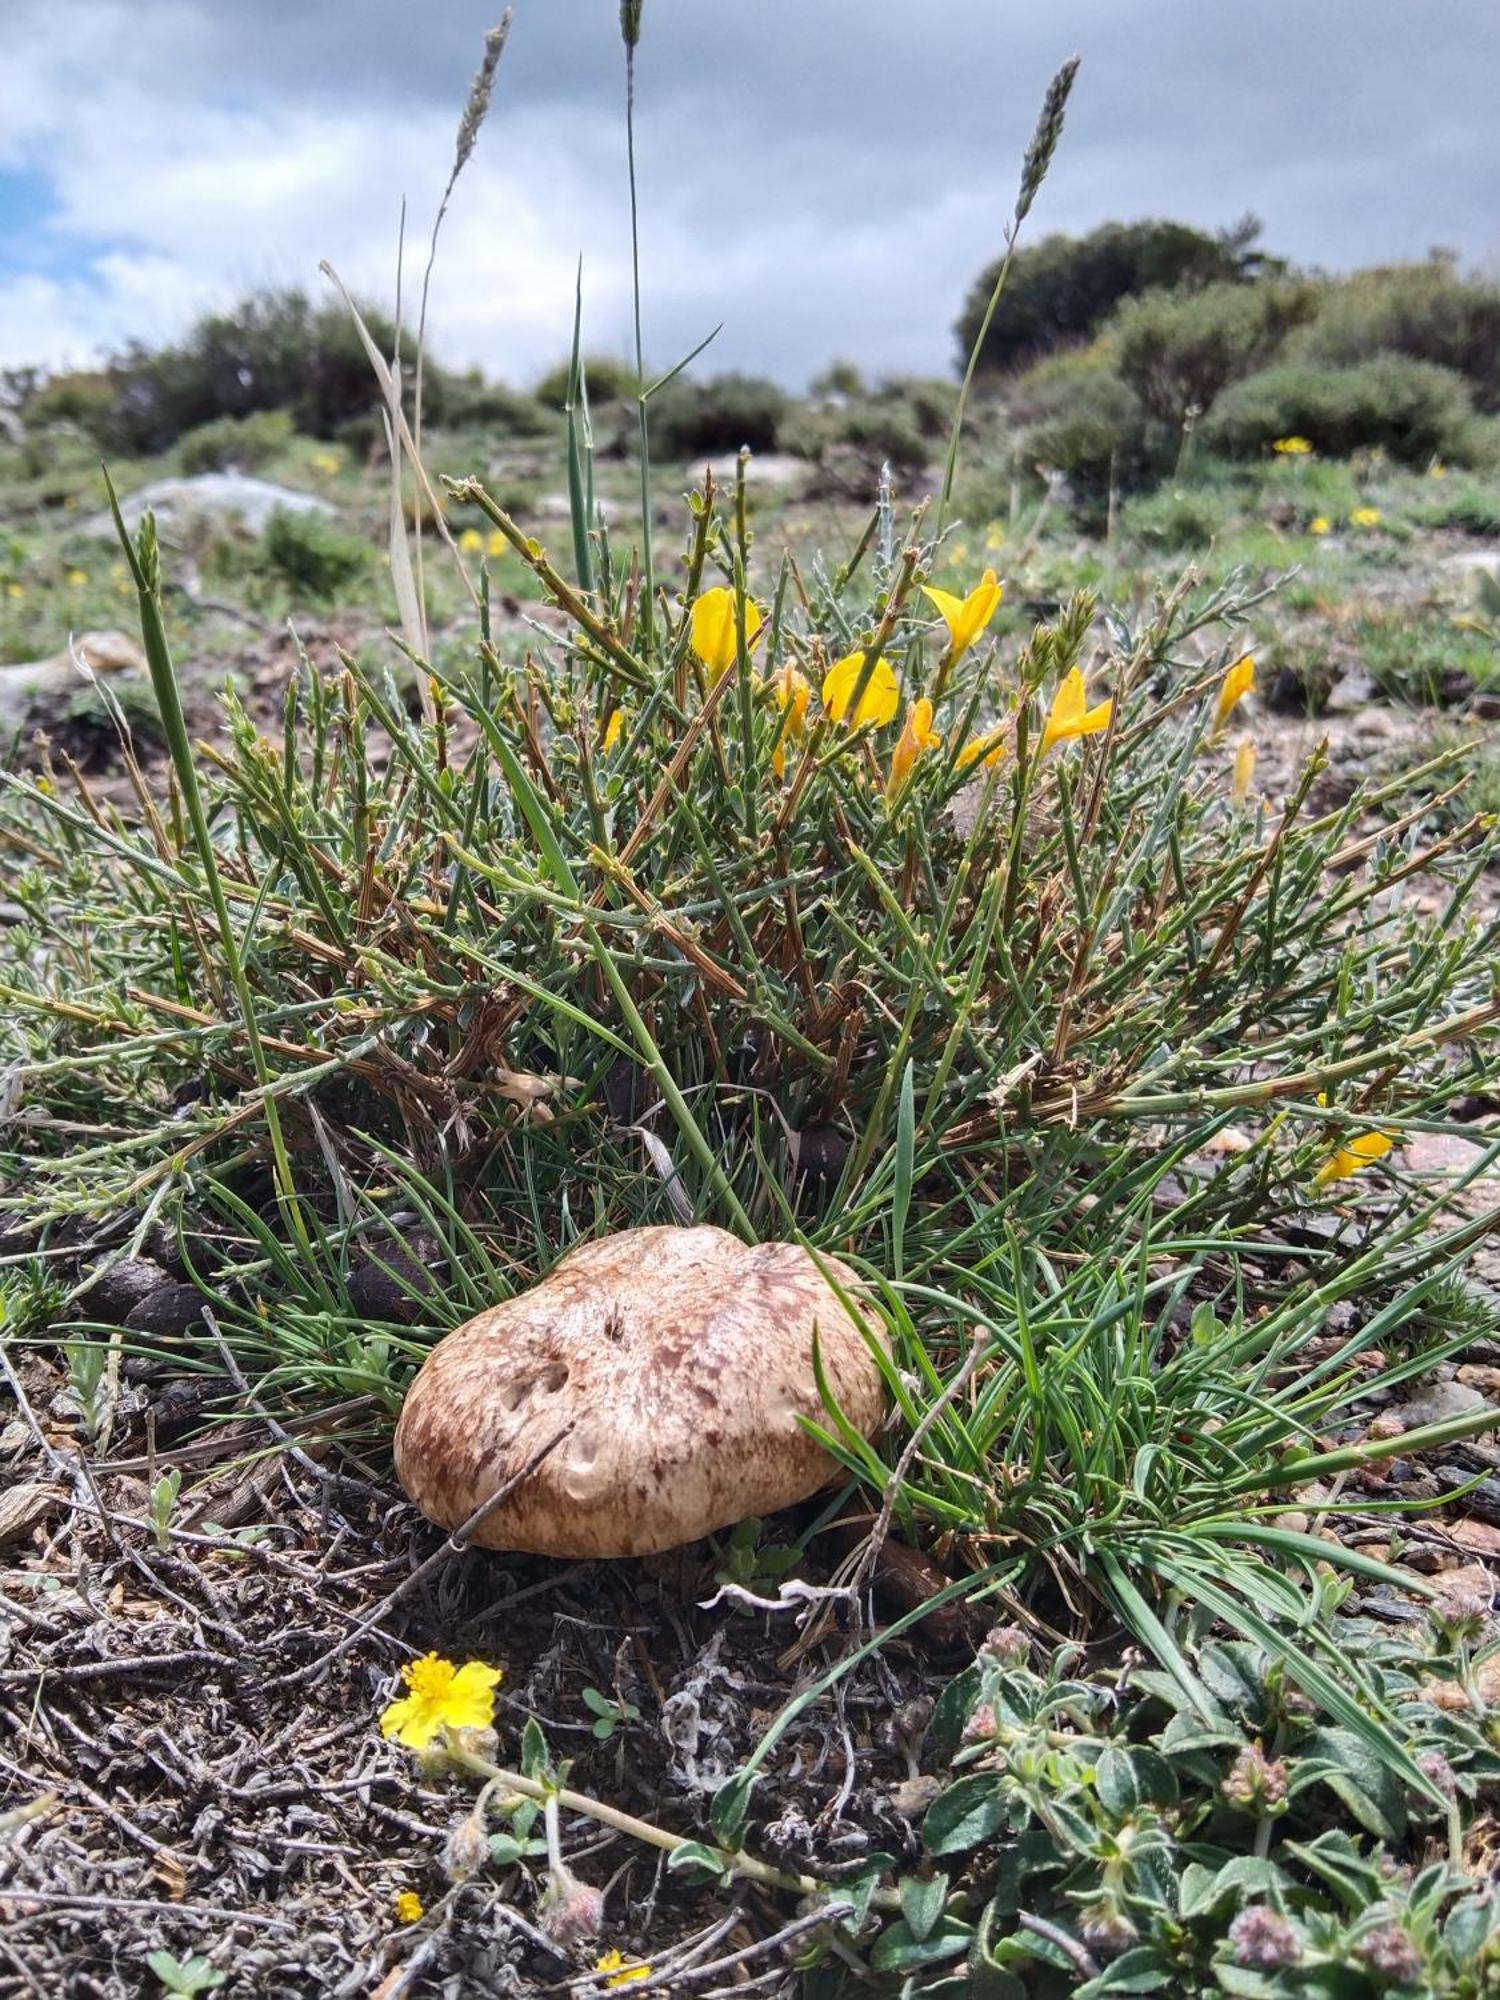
469	401
1065	287
243	443
1074	413
1412	409
610	380
308	552
1466	505
1179	350
1427	311
1178	519
693	419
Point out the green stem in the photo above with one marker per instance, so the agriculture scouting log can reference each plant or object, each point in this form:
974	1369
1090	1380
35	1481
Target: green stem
648	602
145	565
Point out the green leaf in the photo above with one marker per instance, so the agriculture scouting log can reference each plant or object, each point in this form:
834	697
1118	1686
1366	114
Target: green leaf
897	1950
699	1863
922	1903
906	1147
730	1806
1142	1969
536	1758
971	1810
1116	1782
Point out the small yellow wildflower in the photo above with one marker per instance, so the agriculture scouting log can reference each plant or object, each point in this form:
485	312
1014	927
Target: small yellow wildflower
1292	447
442	1696
917	736
1320	525
715	637
471	541
960	552
326	462
878	703
994	537
78	577
986	750
1071	715
495	543
1366	517
966	617
410	1909
15	589
1244	774
613	1962
1237	683
614	729
1352	1156
793	691
1437	470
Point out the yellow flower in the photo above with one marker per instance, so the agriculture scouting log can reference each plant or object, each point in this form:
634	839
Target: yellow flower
614	729
1244	774
613	1962
1071	715
495	543
987	749
78	577
878	703
1366	517
1238	682
1292	447
1437	470
995	537
793	691
471	541
966	617
15	590
917	736
410	1908
1352	1156
326	462
442	1696
715	639
1320	525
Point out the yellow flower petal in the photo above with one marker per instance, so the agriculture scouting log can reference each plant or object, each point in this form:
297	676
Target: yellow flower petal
1238	682
471	541
1352	1156
1366	517
987	749
966	617
878	703
1320	525
614	1962
495	543
793	691
442	1697
714	635
917	736
614	728
1244	774
410	1908
1292	447
1071	715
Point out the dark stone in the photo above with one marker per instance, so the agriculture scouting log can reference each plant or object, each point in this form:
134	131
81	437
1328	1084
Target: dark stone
170	1309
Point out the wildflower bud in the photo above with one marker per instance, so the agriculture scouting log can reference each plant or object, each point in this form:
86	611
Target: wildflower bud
1435	1766
571	1911
1262	1941
1256	1782
1104	1927
1458	1617
466	1849
1390	1955
630	21
982	1724
1008	1645
476	1742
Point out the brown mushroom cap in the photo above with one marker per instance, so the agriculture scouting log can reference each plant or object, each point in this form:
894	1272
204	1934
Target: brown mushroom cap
682	1358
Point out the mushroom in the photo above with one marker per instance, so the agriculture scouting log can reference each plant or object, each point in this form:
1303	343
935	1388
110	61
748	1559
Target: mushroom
676	1360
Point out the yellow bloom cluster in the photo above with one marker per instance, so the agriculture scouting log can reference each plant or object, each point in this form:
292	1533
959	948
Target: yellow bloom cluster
621	1973
1292	447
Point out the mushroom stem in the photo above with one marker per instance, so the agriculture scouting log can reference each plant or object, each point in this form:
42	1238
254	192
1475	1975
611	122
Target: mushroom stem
745	1865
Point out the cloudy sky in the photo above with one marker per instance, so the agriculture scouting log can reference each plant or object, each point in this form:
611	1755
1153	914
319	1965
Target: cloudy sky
824	176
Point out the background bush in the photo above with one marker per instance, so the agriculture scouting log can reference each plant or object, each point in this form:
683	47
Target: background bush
1074	413
1428	311
691	419
241	443
307	551
1065	287
1178	350
1412	409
